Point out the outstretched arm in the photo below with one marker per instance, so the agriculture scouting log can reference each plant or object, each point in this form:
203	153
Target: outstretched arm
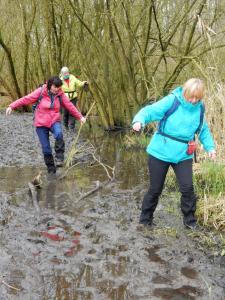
72	109
28	99
80	84
151	113
205	137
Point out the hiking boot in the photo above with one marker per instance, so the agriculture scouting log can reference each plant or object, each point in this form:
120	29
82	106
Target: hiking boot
145	225
59	162
192	226
59	152
49	161
146	219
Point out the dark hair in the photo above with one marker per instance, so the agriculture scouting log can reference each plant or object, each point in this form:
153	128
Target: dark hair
54	80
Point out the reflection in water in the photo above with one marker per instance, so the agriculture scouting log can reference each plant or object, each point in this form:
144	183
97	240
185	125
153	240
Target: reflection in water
74	286
79	286
14	179
113	291
130	165
118	268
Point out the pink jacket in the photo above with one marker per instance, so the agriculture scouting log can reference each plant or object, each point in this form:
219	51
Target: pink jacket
44	115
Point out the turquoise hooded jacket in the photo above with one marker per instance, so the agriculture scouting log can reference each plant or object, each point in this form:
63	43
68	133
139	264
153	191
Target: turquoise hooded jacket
182	124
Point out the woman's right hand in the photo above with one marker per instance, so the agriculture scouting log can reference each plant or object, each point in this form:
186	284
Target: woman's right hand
83	120
8	111
136	126
212	154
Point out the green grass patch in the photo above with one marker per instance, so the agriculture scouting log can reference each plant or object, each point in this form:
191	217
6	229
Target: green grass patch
210	179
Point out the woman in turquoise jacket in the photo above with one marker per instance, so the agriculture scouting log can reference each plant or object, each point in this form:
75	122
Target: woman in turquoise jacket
180	116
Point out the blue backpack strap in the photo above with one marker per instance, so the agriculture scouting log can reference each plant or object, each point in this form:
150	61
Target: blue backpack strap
34	106
41	95
201	118
169	112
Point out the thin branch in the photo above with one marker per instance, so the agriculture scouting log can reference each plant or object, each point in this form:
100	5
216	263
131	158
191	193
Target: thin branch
10	286
104	167
73	147
98	186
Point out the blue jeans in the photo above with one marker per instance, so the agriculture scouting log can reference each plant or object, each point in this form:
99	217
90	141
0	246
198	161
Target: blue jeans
43	135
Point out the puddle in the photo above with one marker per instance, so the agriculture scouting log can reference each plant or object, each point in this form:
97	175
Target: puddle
60	195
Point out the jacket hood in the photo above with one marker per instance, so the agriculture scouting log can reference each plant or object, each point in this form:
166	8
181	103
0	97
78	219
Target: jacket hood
178	92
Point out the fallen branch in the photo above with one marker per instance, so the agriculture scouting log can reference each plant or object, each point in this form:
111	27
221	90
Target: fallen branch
98	186
111	178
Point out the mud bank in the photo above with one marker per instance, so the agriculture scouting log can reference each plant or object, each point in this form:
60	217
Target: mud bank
93	248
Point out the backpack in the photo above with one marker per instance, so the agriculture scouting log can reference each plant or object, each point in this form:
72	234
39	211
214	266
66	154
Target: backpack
34	106
169	112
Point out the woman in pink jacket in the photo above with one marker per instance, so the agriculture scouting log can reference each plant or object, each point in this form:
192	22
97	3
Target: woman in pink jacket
49	99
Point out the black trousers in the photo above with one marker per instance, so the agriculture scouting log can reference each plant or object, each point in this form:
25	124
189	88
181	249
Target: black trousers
68	119
184	175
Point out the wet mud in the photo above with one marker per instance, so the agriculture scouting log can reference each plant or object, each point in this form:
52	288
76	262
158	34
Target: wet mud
93	248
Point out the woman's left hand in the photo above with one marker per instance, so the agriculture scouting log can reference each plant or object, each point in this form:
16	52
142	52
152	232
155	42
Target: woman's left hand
83	120
212	154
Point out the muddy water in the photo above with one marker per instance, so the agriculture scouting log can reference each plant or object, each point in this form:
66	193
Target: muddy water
93	248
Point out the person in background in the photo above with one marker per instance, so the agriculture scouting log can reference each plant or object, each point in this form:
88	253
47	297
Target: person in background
70	87
49	99
172	145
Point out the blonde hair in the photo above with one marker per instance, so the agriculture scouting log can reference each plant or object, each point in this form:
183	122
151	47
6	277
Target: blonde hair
194	87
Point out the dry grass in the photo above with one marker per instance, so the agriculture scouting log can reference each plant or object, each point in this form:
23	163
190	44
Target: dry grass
209	182
211	212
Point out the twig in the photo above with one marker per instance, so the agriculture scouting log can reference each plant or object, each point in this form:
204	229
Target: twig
67	170
71	167
10	286
105	168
